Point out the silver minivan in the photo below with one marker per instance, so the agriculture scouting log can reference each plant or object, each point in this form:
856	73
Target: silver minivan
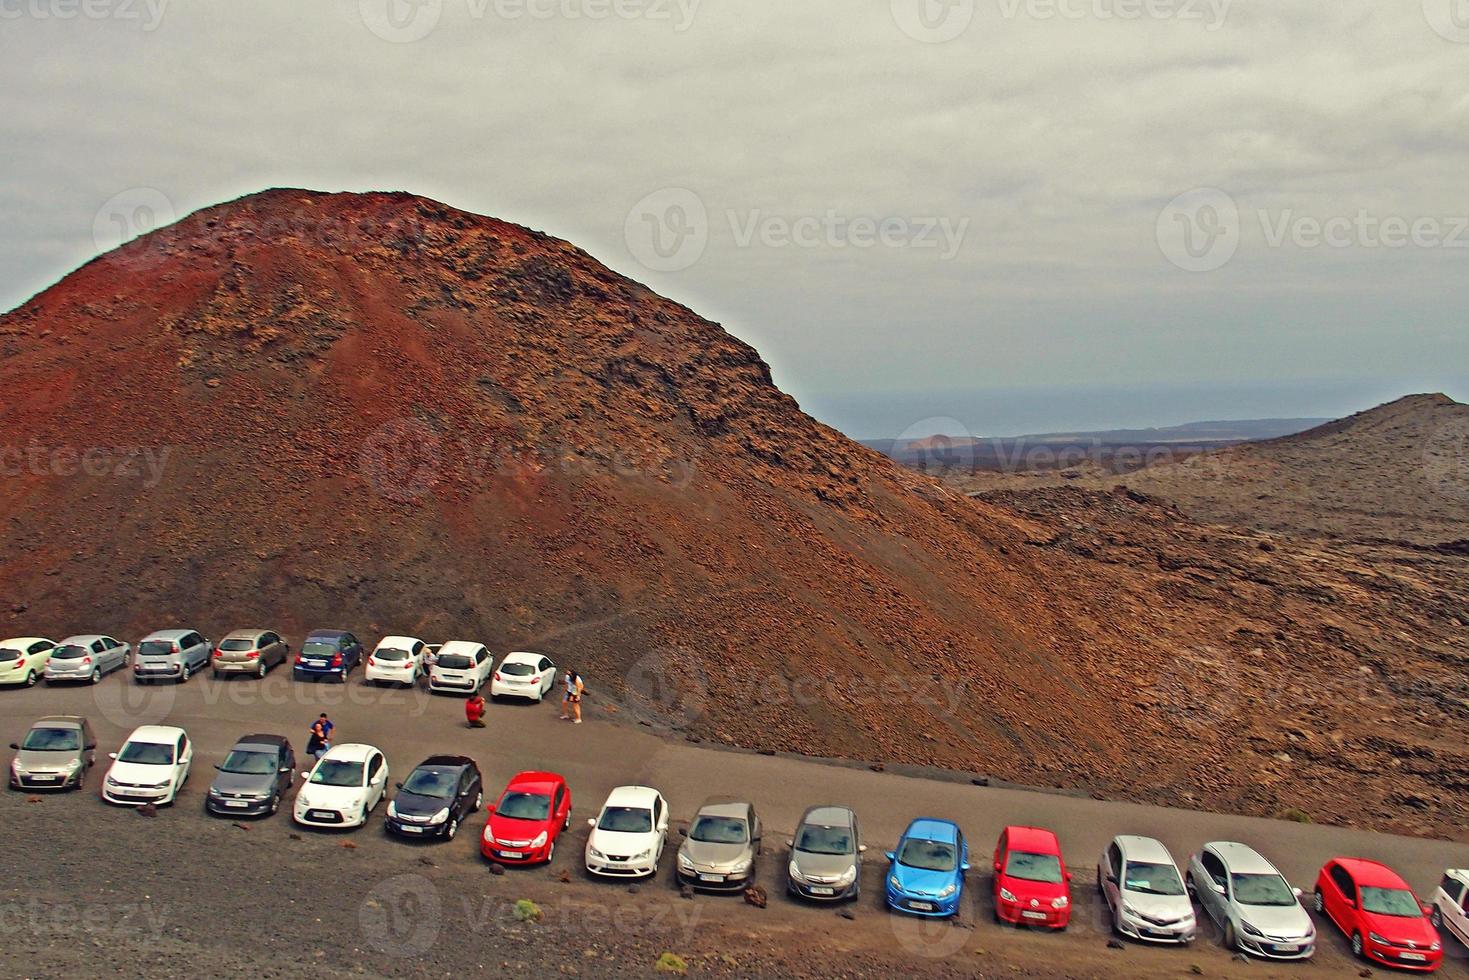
173	655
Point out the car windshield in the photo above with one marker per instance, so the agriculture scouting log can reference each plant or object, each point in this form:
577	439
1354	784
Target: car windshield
626	820
237	645
1152	879
455	661
719	830
824	840
524	806
250	762
7	655
517	670
391	654
318	648
52	740
438	783
928	855
147	754
1034	867
155	648
70	652
1269	890
335	772
1391	901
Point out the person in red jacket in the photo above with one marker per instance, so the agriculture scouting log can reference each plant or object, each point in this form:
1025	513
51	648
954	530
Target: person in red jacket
474	710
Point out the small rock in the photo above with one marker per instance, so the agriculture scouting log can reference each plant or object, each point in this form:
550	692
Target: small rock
755	895
1115	944
847	914
633	889
243	826
564	877
685	891
148	810
496	869
427	862
876	767
348	845
294	836
1196	970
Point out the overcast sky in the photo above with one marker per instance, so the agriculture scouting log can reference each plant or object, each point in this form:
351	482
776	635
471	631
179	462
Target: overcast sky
1022	214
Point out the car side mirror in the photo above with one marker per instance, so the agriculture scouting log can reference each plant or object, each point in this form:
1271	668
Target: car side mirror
1066	875
1298	893
90	746
683	831
591	822
490	809
757	838
14	746
287	768
997	867
305	775
790	843
397	786
1111	879
861	848
964	866
219	766
1218	888
112	755
1427	909
1351	902
890	855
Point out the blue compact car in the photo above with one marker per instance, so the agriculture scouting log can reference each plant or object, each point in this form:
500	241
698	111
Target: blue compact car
926	871
328	653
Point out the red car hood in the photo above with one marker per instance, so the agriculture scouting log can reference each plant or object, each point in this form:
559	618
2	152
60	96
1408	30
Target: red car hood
1024	889
509	828
1399	929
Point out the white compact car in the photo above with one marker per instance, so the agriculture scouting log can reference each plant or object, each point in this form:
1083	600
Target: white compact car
151	767
1451	904
343	788
1250	901
397	660
523	675
23	660
1144	891
627	837
460	666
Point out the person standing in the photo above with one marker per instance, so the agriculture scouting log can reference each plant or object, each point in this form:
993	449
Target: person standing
321	733
571	700
474	710
316	744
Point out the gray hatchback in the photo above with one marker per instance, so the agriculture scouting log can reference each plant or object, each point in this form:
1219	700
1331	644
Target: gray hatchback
55	754
721	846
250	652
173	655
826	855
254	777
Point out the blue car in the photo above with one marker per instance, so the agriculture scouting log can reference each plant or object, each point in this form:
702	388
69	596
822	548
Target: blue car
328	653
926	871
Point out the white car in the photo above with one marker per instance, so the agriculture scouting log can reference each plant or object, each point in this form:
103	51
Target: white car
343	788
1250	901
627	837
397	660
1451	905
523	675
23	660
460	666
1144	891
151	767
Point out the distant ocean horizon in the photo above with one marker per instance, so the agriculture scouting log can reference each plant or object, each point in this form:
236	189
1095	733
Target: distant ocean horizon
1029	411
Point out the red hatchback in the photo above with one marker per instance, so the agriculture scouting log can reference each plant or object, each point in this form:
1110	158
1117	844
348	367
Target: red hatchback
525	822
1379	912
1032	885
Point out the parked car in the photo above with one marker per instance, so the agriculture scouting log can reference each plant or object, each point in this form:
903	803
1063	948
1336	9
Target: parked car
255	651
527	819
523	675
1451	904
721	846
343	788
926	869
151	767
1250	901
56	753
171	655
88	658
628	836
396	660
1378	912
1144	891
436	798
826	855
254	778
328	653
460	666
1032	885
23	660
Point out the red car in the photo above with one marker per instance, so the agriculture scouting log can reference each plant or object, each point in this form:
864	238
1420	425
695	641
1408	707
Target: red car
525	822
1032	885
1379	912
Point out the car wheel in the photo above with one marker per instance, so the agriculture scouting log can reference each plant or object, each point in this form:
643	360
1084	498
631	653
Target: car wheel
1231	941
551	853
260	671
452	829
214	674
96	675
275	804
342	677
479	801
1436	917
184	674
31	679
566	824
1318	903
1357	944
1188	885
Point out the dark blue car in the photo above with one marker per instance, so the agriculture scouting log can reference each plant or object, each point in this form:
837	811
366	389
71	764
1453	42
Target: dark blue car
926	871
328	653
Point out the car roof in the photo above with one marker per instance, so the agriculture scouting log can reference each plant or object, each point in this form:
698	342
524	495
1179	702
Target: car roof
75	721
261	740
1242	858
641	796
168	634
725	806
399	640
934	829
459	646
246	634
1037	840
24	639
1371	874
151	733
349	752
82	639
1147	849
334	634
447	761
522	656
829	815
534	780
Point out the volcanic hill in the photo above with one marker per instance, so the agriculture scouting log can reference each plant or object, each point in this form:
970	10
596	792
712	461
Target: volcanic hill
379	412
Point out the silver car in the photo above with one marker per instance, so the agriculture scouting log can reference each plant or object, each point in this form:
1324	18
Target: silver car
826	855
174	655
1144	891
253	652
88	657
56	753
720	846
1250	901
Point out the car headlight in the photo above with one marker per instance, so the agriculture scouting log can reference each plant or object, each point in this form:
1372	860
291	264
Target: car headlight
1250	929
642	855
893	880
72	766
440	817
685	862
1128	910
595	853
15	766
741	868
948	890
848	876
1435	947
1060	902
393	808
1006	895
1381	941
540	840
795	873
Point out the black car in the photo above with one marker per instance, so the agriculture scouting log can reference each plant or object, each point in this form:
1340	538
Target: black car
327	653
436	798
254	777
